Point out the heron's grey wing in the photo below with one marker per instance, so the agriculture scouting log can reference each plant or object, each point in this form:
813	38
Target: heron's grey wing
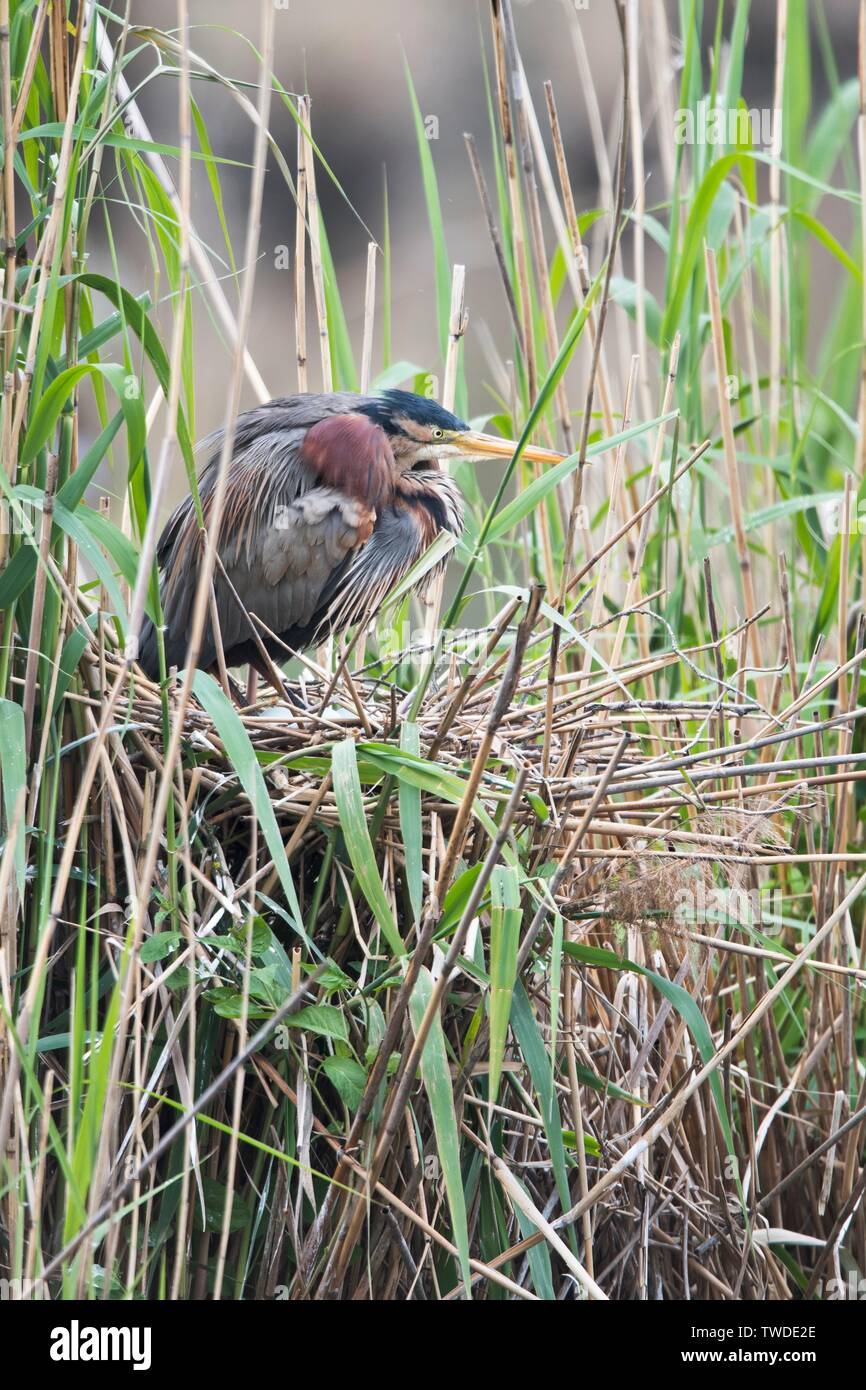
294	558
290	546
297	503
261	475
404	531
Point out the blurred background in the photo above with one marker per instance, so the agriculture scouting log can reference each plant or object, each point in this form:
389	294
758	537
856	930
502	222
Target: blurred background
352	60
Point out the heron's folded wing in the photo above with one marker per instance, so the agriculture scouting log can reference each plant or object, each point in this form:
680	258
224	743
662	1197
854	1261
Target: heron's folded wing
298	503
293	561
356	594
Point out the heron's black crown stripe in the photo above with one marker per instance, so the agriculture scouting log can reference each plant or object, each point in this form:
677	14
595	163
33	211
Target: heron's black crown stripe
387	408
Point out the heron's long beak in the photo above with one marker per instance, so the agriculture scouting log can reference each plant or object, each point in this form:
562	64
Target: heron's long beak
474	443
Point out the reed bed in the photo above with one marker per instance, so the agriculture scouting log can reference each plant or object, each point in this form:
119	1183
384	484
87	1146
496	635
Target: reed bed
515	949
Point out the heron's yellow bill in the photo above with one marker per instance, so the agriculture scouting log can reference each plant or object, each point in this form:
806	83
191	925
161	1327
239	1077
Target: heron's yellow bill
477	444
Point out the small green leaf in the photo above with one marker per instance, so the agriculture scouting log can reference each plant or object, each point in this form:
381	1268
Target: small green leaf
332	978
214	1208
226	1001
159	946
590	1146
348	1079
324	1019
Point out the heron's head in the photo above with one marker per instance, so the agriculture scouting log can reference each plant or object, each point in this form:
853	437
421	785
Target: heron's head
421	432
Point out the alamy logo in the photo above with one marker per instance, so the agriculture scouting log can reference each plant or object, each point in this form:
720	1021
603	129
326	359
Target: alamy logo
720	125
77	1343
23	1290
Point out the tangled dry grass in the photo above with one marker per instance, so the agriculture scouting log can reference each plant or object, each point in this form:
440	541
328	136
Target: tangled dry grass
526	966
684	1121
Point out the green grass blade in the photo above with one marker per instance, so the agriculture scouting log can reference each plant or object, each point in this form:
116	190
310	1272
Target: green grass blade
505	918
353	823
409	799
243	759
14	775
436	1076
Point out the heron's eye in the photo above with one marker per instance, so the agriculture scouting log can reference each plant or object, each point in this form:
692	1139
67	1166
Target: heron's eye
436	433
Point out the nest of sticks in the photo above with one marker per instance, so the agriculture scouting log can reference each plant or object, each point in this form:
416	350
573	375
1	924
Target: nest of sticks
654	832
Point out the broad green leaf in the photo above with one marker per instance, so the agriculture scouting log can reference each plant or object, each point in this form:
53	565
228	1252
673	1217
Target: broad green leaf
214	1208
693	238
436	1076
47	411
242	756
158	946
347	1077
534	1053
441	263
767	516
213	179
14	775
73	650
624	292
325	1019
353	823
828	241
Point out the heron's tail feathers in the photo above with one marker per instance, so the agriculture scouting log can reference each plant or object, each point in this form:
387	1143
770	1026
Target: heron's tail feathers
148	652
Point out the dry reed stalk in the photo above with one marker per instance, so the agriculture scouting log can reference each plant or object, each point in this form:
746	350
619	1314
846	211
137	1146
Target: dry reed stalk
777	234
457	324
610	520
316	266
349	1228
199	257
579	257
317	270
663	82
518	1196
507	78
520	102
48	247
300	246
369	318
406	1072
168	447
641	795
548	187
731	465
671	1111
577	492
38	609
238	1083
632	594
495	240
9	222
203	589
861	168
518	242
639	205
